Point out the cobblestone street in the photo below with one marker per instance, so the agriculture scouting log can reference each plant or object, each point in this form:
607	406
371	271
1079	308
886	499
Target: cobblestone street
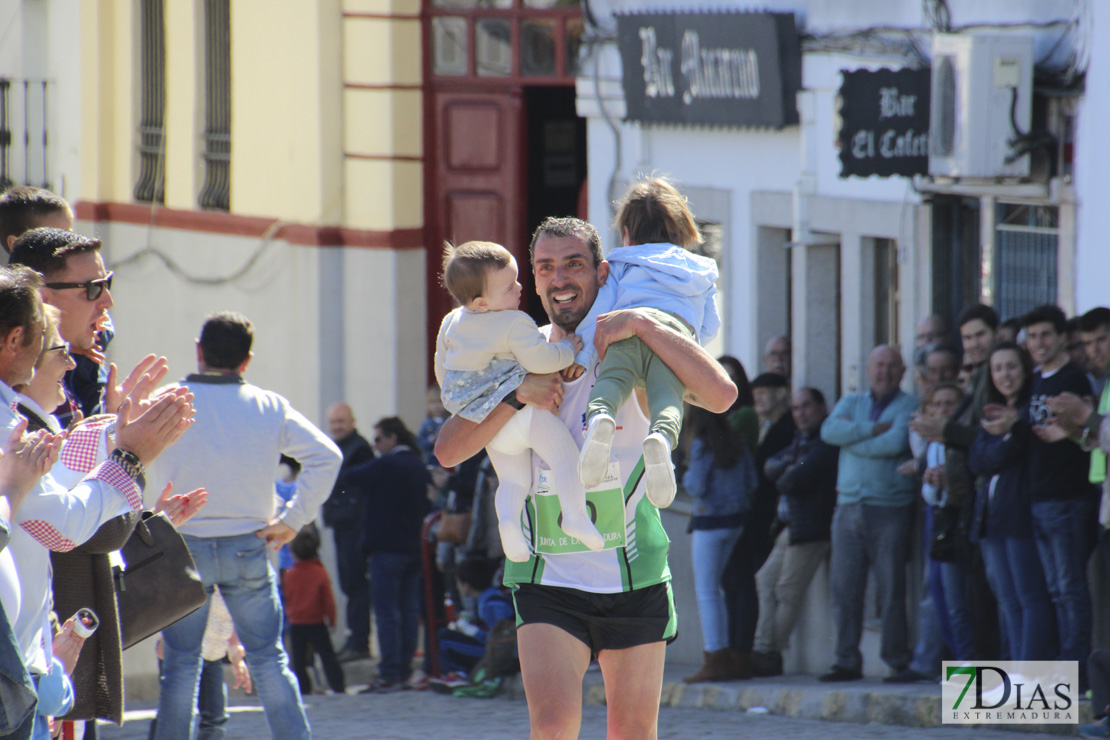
429	716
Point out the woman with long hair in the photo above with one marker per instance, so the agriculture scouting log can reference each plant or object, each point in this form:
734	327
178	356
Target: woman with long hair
1003	522
720	476
742	415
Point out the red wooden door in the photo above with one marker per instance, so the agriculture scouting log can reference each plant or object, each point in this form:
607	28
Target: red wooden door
476	184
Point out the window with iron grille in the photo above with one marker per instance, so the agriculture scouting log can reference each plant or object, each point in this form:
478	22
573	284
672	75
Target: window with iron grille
217	119
23	134
1027	239
151	185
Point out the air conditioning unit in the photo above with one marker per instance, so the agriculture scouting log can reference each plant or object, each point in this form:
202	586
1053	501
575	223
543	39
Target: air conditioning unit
982	97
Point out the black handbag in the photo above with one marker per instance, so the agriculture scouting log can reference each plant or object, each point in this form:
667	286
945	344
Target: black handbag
159	583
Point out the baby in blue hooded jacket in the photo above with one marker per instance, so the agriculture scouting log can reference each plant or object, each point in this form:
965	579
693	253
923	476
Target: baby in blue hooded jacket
653	270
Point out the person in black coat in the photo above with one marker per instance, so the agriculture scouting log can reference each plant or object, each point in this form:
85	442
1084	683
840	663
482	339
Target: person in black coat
394	487
343	512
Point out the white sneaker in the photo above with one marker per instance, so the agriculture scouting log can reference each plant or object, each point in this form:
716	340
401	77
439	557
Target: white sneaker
593	462
658	470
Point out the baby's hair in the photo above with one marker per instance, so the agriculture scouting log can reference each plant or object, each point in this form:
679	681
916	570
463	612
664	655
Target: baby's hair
466	267
654	212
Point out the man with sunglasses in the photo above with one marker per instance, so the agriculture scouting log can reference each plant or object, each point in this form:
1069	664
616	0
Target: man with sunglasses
77	283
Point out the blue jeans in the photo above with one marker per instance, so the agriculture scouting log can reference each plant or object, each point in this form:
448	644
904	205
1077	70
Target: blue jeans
1017	579
212	701
711	549
239	566
866	537
395	588
957	621
928	653
458	653
1061	531
351	562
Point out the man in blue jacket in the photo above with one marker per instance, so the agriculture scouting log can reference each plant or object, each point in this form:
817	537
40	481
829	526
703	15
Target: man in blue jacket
874	514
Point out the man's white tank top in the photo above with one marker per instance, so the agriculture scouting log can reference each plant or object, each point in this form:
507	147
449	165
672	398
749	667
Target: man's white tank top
636	553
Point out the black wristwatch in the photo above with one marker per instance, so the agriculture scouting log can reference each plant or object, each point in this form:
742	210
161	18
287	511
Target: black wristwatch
512	400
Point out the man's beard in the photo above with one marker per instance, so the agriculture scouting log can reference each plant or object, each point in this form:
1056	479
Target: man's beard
568	326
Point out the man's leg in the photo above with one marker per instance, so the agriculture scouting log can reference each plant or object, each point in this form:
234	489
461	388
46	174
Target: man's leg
799	564
250	590
410	613
298	643
212	702
181	667
552	665
1046	521
633	682
848	581
317	634
181	662
385	586
1067	536
888	530
351	562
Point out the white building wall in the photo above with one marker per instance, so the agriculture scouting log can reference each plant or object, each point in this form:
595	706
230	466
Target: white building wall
1092	163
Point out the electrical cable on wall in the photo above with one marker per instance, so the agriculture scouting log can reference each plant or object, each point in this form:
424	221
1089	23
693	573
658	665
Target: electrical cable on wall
265	240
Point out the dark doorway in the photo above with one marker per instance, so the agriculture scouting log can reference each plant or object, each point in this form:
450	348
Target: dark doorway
556	153
957	272
503	147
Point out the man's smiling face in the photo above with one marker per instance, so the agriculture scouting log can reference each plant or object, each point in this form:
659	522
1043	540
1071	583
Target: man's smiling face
567	280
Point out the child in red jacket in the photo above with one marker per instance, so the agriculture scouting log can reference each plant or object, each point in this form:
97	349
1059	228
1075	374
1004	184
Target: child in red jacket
308	602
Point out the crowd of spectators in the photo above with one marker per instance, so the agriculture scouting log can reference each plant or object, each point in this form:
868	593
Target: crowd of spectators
994	457
991	458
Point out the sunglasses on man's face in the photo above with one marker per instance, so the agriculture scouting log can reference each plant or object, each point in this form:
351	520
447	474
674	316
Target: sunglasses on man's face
93	288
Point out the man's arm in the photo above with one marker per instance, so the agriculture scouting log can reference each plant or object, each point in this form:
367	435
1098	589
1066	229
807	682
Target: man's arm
707	383
895	440
816	466
840	429
461	439
320	460
361	451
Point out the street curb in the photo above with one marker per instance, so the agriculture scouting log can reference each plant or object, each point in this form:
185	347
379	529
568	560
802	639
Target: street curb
803	697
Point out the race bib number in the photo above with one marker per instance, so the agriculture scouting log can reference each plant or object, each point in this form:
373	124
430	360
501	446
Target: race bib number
605	504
